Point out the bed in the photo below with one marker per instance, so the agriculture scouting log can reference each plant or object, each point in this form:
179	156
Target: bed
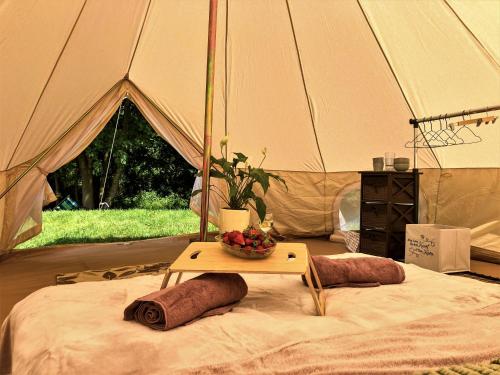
430	320
485	242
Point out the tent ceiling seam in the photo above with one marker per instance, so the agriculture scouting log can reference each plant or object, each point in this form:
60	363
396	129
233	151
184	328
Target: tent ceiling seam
395	76
138	39
47	82
305	85
38	158
181	132
481	45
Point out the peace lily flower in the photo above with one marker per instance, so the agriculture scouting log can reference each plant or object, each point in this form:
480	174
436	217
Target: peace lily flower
240	178
223	141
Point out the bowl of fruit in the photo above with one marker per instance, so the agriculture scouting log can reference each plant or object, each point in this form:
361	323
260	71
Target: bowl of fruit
252	243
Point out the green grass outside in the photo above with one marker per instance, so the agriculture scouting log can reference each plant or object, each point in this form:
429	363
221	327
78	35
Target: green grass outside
80	226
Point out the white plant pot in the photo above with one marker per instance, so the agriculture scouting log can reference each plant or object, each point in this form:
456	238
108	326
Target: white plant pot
230	220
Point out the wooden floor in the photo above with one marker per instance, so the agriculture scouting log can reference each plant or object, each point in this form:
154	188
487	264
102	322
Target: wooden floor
23	272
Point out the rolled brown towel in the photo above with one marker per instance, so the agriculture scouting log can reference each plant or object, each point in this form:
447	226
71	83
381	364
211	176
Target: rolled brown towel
357	272
205	295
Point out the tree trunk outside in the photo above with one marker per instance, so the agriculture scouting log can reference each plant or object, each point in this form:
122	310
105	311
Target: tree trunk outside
88	201
115	184
57	187
104	164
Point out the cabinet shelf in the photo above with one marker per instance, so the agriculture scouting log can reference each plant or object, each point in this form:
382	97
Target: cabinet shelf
389	201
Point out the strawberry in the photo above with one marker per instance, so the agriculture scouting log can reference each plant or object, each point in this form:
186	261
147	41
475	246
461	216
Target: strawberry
260	247
248	248
248	241
239	239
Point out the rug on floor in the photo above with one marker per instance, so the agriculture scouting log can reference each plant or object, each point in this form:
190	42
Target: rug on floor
126	272
481	369
477	276
117	273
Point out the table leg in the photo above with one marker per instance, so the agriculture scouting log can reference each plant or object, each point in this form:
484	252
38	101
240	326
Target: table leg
317	302
179	275
166	278
321	293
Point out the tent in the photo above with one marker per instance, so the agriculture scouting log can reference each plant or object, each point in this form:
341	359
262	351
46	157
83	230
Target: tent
324	85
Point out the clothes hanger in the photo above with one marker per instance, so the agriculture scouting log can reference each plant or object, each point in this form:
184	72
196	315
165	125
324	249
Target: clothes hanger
463	128
454	131
417	141
450	139
435	139
427	137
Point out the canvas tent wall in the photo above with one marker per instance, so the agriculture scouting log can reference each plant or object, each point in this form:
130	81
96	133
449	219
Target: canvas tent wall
325	85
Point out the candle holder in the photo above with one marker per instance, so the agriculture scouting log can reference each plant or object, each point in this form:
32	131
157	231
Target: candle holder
389	161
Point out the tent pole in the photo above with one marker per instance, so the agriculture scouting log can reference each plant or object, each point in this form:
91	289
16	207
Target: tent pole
415	131
207	139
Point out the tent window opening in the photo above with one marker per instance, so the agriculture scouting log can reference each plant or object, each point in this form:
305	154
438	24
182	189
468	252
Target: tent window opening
349	210
127	168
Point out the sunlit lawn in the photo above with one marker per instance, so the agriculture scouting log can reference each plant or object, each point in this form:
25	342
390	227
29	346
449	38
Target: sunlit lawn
63	227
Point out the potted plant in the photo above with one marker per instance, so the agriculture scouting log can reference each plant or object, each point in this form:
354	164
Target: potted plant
240	178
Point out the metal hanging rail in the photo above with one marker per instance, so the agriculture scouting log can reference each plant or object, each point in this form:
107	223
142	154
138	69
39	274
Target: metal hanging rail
426	143
415	121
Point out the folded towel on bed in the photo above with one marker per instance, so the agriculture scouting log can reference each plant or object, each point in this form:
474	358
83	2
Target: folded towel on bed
357	272
206	295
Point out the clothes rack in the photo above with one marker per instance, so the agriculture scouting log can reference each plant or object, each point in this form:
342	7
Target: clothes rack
459	133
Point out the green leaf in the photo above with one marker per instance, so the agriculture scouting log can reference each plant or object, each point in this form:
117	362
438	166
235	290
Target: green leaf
214	160
262	178
261	208
245	195
247	191
227	167
279	179
235	162
241	157
232	191
216	174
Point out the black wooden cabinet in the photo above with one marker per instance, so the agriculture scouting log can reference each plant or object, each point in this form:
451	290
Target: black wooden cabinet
389	201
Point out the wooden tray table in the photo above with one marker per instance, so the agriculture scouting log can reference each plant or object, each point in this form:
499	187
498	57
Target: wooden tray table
287	259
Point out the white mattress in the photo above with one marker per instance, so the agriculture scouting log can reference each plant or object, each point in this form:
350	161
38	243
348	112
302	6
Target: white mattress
78	329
